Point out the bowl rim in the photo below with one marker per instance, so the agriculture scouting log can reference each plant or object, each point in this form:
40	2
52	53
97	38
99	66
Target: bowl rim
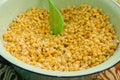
14	61
115	1
66	76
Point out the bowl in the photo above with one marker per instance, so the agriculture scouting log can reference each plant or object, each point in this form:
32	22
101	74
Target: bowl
9	9
117	2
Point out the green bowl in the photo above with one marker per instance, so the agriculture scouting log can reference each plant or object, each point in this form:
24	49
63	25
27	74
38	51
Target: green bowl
9	9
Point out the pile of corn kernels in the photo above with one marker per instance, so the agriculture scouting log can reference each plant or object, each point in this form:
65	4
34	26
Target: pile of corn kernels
118	1
88	39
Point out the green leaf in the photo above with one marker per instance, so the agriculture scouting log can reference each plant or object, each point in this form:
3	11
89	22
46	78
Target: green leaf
56	19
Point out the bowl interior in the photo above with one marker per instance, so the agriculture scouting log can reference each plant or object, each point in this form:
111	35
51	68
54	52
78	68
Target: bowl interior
9	9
